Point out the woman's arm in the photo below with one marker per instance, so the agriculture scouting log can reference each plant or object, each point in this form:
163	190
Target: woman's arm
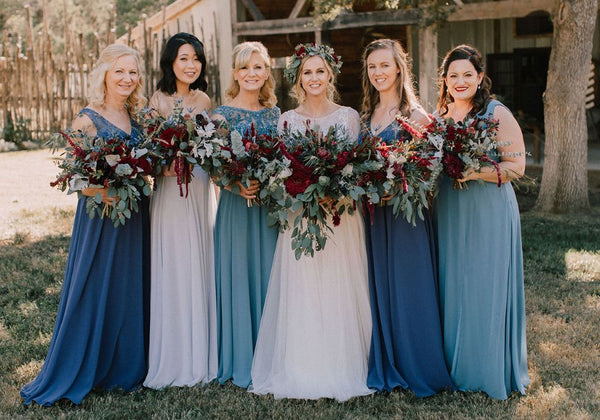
511	150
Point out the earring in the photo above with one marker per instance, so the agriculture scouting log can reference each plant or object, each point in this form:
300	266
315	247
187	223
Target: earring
479	86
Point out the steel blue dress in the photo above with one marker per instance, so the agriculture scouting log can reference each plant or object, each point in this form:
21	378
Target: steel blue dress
99	339
406	346
244	249
481	285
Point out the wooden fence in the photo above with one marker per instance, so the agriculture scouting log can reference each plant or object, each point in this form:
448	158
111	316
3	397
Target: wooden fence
42	90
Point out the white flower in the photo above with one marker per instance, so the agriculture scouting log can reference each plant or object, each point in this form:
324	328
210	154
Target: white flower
347	171
137	153
78	182
112	160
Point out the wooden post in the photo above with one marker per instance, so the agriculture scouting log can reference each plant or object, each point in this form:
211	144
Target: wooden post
428	65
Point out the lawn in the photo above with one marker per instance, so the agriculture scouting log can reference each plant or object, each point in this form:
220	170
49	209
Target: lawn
562	286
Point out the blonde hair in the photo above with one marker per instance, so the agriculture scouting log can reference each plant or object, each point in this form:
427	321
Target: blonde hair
107	59
241	57
404	82
298	91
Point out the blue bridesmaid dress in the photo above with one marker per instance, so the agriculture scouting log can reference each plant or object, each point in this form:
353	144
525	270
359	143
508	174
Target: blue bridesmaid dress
481	285
244	249
99	339
406	346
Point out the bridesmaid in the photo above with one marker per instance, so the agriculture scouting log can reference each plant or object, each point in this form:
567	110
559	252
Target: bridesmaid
183	327
99	335
480	254
406	347
244	244
314	335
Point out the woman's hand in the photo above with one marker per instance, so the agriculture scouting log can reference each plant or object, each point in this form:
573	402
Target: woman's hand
250	192
169	170
469	175
91	192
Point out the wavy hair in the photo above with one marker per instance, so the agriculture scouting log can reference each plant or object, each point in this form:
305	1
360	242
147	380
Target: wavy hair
167	82
241	57
107	59
483	93
404	81
298	92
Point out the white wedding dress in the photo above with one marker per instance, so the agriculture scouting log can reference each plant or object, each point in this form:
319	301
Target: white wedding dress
315	331
183	328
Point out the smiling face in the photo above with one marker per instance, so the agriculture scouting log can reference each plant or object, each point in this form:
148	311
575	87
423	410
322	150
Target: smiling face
253	75
462	80
187	65
314	76
382	69
122	78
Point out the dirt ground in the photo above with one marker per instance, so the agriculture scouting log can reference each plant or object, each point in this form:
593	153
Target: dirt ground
25	178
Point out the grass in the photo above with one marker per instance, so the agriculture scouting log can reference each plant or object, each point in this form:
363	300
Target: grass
562	272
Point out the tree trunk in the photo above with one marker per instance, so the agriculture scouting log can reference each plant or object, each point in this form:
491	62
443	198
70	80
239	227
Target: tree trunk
564	187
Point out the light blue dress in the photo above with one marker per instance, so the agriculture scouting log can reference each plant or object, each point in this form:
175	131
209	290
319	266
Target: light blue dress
481	285
244	249
99	339
406	346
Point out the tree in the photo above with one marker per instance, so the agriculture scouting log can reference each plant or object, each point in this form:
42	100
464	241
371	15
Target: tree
564	186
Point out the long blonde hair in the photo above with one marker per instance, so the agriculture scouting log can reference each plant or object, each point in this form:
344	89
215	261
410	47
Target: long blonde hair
298	92
241	56
106	60
404	82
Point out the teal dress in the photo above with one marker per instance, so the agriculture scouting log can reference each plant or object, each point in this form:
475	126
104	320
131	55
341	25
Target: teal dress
481	285
244	249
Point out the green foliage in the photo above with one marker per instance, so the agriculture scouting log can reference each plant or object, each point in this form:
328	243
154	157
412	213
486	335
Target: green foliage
130	12
431	10
16	132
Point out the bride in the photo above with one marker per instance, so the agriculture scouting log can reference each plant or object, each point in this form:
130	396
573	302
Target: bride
315	332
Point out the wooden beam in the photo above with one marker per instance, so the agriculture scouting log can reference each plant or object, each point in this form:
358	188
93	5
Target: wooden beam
273	27
298	7
428	65
254	11
500	9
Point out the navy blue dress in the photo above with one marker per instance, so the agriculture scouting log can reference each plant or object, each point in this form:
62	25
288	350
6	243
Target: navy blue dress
406	346
99	339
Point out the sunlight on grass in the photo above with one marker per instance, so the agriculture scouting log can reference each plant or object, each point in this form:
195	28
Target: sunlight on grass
33	225
28	371
43	339
582	266
4	334
53	290
545	401
28	308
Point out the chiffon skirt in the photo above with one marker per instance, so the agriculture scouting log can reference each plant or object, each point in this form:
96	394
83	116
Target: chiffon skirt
183	325
316	326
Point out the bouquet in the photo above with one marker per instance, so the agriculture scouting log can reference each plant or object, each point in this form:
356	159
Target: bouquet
172	139
405	172
318	165
464	145
105	163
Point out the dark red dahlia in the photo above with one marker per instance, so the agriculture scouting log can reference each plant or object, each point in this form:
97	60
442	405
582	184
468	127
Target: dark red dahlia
453	166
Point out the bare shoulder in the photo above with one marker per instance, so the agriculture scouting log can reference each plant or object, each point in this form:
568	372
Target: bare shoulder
83	123
202	99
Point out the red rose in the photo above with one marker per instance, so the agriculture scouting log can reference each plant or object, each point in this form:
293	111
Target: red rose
453	166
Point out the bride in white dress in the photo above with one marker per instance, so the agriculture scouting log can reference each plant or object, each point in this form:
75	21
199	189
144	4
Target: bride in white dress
183	341
315	331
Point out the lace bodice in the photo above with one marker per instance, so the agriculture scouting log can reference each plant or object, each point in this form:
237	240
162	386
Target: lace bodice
106	130
265	120
344	118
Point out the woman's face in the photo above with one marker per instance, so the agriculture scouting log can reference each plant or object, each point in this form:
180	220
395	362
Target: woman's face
123	77
462	80
314	76
253	75
382	69
187	65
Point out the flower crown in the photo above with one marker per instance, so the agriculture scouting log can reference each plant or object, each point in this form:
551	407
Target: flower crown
309	50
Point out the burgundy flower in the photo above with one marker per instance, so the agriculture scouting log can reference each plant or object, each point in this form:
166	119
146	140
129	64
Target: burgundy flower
336	219
323	153
453	166
297	184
